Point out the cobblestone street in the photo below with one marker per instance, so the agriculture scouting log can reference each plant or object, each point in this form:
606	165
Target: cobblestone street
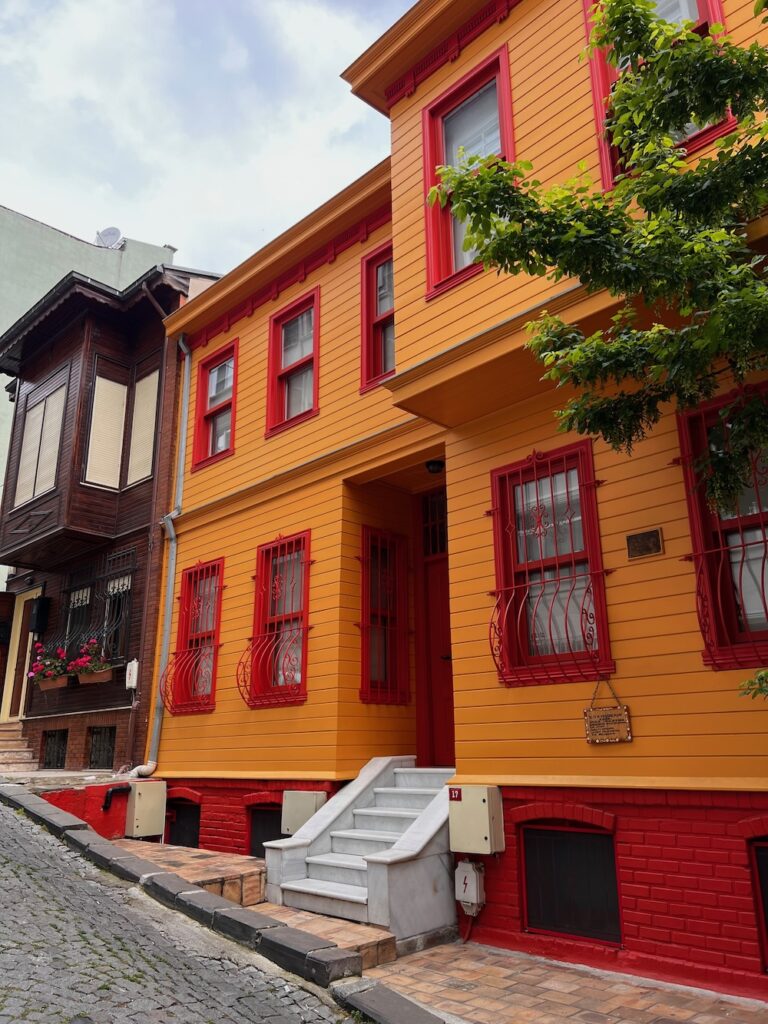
78	946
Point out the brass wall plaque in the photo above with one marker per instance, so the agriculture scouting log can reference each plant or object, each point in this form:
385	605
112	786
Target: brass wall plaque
649	542
608	725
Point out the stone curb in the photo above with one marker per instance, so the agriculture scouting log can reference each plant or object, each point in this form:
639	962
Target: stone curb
382	1004
299	952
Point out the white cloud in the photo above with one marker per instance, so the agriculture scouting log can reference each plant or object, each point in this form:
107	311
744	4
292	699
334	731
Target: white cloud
212	129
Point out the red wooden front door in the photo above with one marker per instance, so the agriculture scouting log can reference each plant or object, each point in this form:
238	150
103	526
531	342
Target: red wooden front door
435	692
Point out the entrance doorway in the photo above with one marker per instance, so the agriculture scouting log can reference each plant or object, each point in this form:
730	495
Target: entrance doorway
17	667
435	674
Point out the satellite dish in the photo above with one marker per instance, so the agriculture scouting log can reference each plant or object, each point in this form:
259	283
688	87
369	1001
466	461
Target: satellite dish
109	238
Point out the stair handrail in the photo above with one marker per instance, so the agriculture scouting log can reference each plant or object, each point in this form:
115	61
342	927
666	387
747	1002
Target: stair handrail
412	843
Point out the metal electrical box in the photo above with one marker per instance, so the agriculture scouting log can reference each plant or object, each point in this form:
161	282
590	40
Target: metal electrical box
470	887
475	819
298	808
145	815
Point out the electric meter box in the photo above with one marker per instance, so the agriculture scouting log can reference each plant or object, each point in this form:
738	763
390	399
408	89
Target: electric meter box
470	886
145	815
475	819
298	807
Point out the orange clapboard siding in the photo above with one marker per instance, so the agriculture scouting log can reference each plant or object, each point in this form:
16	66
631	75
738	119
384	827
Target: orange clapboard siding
358	462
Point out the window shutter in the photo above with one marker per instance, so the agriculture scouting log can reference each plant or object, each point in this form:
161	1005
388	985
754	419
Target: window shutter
142	444
49	441
105	444
30	446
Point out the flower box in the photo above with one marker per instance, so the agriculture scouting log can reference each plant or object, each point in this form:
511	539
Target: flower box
53	683
105	676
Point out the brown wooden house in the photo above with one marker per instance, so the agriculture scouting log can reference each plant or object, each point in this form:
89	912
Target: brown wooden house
87	480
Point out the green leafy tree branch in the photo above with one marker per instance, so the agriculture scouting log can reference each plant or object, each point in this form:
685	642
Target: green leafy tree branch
669	241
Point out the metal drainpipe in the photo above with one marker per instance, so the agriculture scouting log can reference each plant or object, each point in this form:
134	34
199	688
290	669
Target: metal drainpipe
143	770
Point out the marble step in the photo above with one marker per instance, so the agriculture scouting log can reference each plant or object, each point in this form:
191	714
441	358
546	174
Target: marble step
331	898
399	796
338	867
427	778
359	841
384	819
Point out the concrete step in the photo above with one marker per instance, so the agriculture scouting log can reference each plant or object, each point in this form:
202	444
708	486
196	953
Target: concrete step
359	841
338	867
24	756
9	730
384	819
416	778
13	743
399	796
331	898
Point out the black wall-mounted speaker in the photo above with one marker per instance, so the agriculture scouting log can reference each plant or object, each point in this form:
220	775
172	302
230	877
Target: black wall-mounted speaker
38	616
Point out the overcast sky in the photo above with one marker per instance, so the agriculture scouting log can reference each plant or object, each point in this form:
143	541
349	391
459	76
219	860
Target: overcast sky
211	125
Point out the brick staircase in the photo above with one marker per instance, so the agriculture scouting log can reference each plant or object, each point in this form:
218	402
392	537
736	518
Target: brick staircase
15	753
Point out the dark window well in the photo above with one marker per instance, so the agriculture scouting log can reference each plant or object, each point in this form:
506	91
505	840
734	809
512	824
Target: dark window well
265	826
760	850
101	746
183	823
570	883
54	752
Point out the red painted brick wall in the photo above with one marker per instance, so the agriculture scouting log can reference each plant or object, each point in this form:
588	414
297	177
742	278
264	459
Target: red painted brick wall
224	821
87	804
688	905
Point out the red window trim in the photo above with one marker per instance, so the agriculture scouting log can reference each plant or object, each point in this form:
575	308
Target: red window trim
440	273
398	689
603	76
370	357
181	663
200	455
554	668
723	649
571	936
254	689
275	393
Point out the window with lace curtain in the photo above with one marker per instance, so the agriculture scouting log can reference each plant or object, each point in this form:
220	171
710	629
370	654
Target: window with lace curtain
293	349
550	622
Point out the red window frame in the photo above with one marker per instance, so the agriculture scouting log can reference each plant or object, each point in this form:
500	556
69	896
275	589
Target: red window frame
202	455
372	370
761	897
441	274
265	657
523	586
603	76
195	648
728	643
276	390
384	614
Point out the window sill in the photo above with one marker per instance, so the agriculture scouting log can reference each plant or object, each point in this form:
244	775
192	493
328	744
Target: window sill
573	937
210	460
453	280
574	672
278	428
196	710
736	656
269	700
374	382
708	135
399	700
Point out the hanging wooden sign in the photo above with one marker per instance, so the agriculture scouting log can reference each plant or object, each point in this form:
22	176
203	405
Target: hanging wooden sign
609	724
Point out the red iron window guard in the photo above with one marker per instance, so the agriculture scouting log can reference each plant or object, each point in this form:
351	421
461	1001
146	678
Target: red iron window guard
384	625
273	668
188	684
730	550
549	623
378	317
216	394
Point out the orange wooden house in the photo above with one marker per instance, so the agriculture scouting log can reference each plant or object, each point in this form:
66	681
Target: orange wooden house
385	551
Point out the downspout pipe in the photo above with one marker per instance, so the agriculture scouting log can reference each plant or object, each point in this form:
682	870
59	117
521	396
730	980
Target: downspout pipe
143	771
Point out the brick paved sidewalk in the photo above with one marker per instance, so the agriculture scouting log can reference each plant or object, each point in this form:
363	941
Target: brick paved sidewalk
488	986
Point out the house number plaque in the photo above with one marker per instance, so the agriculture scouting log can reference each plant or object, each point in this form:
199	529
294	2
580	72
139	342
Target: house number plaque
608	725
